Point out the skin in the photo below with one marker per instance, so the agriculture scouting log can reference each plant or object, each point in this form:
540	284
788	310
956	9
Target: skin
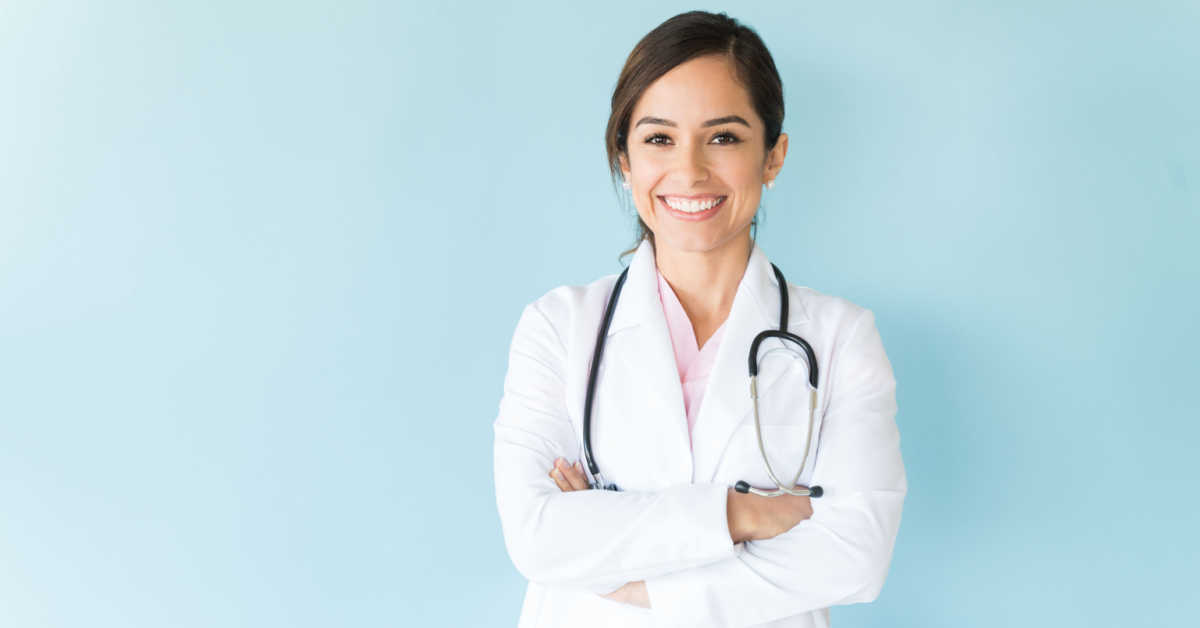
674	149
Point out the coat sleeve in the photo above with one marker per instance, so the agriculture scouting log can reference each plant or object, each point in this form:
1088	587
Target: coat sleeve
592	539
842	553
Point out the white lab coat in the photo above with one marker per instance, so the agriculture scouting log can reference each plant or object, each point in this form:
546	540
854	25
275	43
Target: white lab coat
668	525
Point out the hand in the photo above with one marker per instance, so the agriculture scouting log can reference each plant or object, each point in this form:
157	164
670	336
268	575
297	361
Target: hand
570	477
631	593
753	518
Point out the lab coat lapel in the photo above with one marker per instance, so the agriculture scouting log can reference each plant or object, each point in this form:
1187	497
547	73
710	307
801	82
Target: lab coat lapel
641	344
727	400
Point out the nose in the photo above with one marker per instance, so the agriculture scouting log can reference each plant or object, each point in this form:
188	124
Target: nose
692	164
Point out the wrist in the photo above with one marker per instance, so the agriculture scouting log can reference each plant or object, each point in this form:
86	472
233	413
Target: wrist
740	515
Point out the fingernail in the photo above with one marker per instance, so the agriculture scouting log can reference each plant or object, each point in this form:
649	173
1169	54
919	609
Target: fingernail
578	467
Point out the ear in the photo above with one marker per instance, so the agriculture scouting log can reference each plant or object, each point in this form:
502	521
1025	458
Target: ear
623	162
775	158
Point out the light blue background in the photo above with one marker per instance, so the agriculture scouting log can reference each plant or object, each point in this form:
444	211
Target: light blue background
260	264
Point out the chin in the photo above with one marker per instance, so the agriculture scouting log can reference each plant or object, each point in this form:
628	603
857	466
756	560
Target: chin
692	243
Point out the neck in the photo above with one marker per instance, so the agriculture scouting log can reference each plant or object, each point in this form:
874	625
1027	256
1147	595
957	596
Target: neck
706	281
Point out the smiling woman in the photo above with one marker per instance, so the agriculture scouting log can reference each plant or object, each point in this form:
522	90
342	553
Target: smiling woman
642	374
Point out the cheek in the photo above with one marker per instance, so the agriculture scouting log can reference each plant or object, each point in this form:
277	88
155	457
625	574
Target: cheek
742	173
645	181
747	179
643	201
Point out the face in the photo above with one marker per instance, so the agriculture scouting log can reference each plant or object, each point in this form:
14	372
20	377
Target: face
696	157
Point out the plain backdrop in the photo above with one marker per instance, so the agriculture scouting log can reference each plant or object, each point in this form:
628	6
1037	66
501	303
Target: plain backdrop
261	262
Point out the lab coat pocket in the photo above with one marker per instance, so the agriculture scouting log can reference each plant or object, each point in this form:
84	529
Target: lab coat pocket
784	445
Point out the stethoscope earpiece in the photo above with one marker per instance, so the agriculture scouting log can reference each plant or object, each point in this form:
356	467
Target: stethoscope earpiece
744	487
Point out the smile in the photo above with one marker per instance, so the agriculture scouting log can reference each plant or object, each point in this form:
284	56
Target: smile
692	208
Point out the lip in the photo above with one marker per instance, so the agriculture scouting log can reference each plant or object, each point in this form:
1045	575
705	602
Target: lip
693	197
698	216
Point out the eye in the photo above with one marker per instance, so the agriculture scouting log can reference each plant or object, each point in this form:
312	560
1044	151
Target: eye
729	138
725	137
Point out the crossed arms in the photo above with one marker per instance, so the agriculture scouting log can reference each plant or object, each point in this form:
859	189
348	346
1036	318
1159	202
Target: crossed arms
678	540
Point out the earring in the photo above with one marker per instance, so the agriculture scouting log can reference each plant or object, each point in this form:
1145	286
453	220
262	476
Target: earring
770	184
625	184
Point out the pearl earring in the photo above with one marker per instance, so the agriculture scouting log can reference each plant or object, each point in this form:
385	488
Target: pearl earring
770	184
625	184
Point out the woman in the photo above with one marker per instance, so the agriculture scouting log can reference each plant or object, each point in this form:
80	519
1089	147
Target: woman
694	135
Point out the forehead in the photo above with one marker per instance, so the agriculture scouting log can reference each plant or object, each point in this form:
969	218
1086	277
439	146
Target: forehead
696	90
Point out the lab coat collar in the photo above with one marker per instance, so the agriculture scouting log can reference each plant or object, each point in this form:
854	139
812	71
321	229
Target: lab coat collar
727	399
757	292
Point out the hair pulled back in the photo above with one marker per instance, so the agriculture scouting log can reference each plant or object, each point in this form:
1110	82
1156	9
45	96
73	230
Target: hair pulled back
676	41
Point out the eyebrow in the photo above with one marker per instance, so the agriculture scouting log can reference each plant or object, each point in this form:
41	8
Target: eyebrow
713	122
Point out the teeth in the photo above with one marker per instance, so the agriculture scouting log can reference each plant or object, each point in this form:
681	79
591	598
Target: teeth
691	206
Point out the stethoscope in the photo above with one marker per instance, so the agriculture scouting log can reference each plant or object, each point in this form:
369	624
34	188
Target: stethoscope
782	333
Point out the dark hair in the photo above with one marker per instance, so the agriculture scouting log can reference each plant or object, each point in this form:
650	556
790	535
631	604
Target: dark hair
680	39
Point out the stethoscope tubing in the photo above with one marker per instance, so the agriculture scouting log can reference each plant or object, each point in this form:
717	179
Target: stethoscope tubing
782	333
591	385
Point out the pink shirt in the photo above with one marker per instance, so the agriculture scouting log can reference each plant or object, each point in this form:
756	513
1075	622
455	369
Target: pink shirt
694	362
